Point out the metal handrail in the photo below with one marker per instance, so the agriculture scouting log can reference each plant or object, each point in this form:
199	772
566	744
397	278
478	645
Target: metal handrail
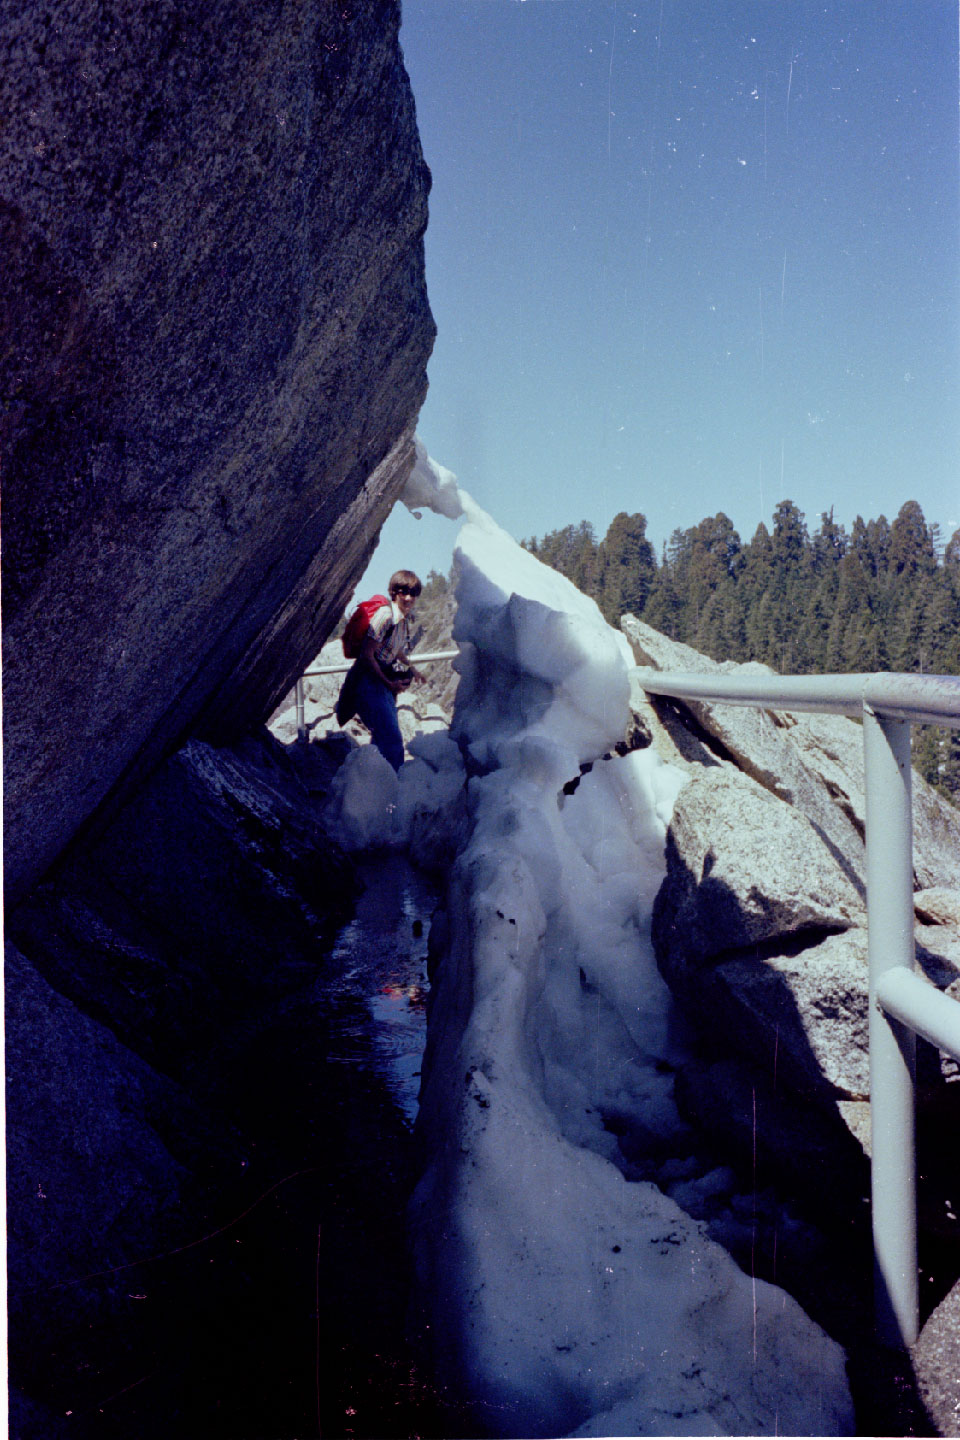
922	699
901	1004
341	669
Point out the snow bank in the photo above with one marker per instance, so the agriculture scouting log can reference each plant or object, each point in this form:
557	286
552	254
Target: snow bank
561	1294
422	808
433	800
364	800
432	487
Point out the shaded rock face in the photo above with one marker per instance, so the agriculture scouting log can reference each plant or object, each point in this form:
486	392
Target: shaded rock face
215	331
134	976
216	883
742	868
61	1060
108	1162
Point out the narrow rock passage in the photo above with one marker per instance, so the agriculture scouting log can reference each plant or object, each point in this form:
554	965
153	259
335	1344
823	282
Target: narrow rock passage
295	1320
329	1084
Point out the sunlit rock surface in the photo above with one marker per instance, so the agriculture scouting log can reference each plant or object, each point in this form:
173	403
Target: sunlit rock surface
766	868
215	332
743	868
813	762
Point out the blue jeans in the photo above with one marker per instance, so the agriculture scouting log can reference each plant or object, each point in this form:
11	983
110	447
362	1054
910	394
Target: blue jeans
377	708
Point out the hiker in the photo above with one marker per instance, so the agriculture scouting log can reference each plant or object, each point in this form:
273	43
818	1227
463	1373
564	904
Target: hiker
382	669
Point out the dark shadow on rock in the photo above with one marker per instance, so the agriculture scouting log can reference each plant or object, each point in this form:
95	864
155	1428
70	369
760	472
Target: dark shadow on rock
856	880
206	1190
693	742
218	883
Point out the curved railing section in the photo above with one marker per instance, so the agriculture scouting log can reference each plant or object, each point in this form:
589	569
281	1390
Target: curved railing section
902	1005
341	669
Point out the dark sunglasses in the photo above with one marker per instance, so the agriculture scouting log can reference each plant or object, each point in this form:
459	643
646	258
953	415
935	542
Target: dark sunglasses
407	590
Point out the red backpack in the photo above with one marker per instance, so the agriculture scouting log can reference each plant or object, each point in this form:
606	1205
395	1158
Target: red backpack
359	624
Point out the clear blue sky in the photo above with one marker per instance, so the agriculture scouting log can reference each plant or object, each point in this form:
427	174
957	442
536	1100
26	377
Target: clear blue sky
689	256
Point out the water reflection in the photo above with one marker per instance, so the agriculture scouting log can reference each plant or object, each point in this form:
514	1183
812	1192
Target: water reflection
290	1320
380	960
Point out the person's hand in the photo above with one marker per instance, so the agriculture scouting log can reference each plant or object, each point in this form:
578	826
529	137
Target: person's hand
418	676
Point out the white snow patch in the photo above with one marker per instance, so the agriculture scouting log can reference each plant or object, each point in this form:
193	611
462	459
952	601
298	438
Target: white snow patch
432	487
422	807
364	801
562	1295
432	813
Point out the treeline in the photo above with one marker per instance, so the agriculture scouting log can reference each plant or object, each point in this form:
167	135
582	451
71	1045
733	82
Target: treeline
885	596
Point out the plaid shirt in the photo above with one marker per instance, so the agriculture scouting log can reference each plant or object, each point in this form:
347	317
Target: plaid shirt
389	627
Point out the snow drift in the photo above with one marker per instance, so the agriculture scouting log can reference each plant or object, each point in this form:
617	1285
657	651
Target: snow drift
559	1291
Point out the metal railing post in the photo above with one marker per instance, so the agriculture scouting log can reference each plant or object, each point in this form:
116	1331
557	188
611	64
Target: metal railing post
890	945
902	1004
301	723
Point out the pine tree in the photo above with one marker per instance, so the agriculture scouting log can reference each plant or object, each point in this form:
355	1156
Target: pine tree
790	586
878	544
950	764
587	564
790	538
709	558
436	586
757	565
940	637
935	753
925	743
883	597
817	619
829	544
870	543
628	566
906	632
911	542
663	607
710	635
573	551
865	645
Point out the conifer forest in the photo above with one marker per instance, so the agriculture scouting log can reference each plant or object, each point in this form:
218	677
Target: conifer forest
883	596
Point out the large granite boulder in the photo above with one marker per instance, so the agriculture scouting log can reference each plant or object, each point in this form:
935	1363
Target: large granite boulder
803	1008
110	1165
759	926
214	336
744	868
75	1105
